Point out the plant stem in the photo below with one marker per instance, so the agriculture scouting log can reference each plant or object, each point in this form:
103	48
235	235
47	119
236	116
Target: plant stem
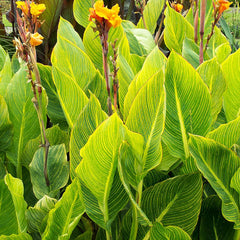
196	25
19	169
160	26
134	228
108	234
236	235
211	33
104	38
37	101
202	21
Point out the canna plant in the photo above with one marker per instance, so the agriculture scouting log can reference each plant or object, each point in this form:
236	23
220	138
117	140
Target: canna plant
161	162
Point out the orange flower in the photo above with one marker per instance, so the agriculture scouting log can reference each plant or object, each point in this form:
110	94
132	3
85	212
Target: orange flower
37	9
36	39
100	13
23	6
223	5
177	7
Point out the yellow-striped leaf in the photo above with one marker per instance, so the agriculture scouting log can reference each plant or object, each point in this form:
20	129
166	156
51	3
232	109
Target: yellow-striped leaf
218	164
188	105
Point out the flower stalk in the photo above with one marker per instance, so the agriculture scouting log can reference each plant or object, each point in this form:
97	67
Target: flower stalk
219	7
202	21
28	25
114	76
105	19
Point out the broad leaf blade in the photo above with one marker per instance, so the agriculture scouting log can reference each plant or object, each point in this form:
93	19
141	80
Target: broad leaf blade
212	223
232	95
36	214
21	236
218	165
54	135
175	202
226	134
22	113
5	126
188	105
57	169
65	216
159	232
89	119
54	109
154	62
211	73
100	155
147	117
81	11
173	34
13	206
151	14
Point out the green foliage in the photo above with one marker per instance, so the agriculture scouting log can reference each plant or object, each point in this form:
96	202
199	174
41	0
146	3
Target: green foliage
57	168
164	165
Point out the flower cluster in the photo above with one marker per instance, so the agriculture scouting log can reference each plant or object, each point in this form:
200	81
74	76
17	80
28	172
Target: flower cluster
220	6
29	23
177	7
104	15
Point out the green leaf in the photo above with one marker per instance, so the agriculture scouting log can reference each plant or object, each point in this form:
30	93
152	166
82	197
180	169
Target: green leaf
21	236
226	134
217	40
22	113
93	44
5	75
15	63
222	52
54	135
168	161
13	206
100	156
65	216
5	126
147	117
57	169
154	62
50	17
235	181
173	34
128	166
141	41
175	202
69	78
89	119
218	165
36	214
190	51
151	14
74	82
211	73
188	105
232	95
54	109
125	76
212	223
81	11
3	55
159	232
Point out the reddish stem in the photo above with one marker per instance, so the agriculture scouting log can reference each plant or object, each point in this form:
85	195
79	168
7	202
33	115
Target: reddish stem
202	21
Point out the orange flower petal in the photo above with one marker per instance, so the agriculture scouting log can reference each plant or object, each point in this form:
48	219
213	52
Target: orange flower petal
99	12
37	9
23	6
36	39
177	7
